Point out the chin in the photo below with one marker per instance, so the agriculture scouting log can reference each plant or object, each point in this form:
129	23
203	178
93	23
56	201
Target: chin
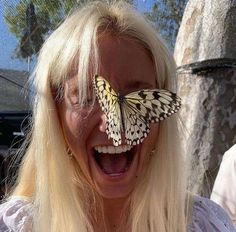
114	192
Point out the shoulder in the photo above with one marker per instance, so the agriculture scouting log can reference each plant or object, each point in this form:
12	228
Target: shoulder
207	216
230	154
16	215
228	163
223	192
232	150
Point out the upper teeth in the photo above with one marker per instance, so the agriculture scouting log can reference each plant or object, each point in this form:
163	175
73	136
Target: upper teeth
112	149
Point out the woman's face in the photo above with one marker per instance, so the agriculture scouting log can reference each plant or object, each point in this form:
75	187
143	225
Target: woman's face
127	67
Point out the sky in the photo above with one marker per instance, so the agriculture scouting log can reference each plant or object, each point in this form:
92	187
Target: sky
7	45
8	42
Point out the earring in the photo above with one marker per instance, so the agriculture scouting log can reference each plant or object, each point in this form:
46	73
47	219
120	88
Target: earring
69	152
152	152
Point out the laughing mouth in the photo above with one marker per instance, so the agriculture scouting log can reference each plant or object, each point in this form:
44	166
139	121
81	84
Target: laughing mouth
112	160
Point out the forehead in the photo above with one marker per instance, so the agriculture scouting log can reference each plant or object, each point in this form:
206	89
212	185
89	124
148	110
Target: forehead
125	59
124	62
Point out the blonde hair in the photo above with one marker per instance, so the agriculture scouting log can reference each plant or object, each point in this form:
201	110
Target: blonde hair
56	186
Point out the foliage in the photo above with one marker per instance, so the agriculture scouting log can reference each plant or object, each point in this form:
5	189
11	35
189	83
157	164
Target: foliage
167	16
31	21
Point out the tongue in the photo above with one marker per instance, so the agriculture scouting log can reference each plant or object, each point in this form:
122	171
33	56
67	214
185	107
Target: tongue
112	164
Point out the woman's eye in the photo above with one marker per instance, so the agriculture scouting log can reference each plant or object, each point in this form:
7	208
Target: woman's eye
76	103
87	102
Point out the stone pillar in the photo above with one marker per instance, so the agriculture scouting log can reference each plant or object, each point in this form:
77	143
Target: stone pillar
205	54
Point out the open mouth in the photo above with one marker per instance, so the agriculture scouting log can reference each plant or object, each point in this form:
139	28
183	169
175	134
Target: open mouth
114	161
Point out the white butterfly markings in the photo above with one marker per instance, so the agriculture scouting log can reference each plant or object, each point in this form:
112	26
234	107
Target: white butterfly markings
132	114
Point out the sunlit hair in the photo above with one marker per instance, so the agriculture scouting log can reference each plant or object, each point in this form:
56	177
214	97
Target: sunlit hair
61	194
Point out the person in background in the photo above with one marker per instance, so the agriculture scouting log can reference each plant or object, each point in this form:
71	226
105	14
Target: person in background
104	151
224	189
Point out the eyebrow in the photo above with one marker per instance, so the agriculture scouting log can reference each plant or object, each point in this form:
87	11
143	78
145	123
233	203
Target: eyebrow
74	91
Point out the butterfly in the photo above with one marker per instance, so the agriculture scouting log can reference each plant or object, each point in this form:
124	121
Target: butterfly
132	114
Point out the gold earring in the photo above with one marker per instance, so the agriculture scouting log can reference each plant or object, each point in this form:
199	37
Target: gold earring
152	152
69	152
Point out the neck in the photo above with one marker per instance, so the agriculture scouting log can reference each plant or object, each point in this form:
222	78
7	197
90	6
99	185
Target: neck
115	211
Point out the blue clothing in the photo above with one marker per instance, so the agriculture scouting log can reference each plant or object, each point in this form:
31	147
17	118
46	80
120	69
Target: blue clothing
207	216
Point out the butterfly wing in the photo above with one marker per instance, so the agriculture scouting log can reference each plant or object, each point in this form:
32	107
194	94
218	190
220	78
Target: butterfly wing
108	101
144	107
136	124
134	112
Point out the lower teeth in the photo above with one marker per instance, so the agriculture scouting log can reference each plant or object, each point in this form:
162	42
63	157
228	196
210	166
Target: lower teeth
114	174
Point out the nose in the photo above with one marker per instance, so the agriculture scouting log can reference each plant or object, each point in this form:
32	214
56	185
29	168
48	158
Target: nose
102	123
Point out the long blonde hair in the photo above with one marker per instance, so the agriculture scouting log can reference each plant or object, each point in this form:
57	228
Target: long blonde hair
58	190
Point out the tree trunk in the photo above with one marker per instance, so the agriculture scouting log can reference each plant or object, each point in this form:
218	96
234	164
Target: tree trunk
205	54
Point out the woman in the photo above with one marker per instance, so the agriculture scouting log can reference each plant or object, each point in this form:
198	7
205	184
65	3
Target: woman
83	170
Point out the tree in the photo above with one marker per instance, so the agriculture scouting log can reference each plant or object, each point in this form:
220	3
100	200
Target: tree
167	16
31	21
32	35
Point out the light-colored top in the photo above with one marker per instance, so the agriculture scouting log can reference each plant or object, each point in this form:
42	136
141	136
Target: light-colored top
16	216
224	190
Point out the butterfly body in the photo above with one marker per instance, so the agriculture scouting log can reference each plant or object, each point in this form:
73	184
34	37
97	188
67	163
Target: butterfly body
121	100
132	114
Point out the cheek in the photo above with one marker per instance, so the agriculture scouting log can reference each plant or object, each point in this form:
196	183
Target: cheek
74	127
151	140
73	124
149	144
153	136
